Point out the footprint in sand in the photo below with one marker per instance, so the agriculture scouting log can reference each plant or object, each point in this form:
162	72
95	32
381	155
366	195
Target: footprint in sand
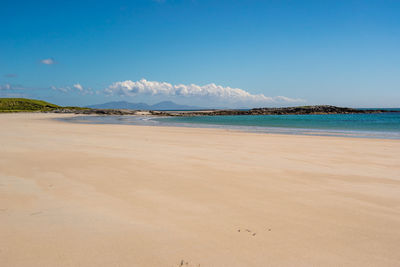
247	230
186	263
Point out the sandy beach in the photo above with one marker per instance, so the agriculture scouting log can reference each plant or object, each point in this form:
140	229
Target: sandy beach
119	195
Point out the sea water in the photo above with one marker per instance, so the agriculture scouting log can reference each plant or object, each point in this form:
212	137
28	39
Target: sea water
379	125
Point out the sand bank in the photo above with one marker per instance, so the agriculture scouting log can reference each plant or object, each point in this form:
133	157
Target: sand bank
115	195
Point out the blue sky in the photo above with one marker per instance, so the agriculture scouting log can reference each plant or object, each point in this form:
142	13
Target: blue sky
208	53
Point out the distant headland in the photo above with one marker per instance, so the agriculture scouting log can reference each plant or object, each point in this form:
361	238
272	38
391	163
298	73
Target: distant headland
32	105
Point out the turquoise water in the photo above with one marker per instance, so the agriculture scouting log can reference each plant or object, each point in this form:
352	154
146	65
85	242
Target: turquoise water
383	125
383	122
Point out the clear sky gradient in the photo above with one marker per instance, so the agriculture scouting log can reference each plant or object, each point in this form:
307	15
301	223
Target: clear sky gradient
311	52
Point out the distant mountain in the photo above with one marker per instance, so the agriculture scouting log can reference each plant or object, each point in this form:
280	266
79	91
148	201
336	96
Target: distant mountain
120	105
164	105
169	105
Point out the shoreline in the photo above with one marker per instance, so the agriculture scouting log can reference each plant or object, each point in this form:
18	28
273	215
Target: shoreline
117	195
148	120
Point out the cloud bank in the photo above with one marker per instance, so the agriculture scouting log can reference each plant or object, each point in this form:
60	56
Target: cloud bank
209	91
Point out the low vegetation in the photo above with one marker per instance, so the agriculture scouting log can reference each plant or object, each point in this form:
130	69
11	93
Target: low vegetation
29	105
25	105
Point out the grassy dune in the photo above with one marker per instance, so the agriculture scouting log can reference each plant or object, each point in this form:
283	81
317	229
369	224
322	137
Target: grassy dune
25	105
29	105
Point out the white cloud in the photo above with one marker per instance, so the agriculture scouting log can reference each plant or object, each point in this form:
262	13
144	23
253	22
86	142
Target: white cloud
8	90
47	61
13	95
213	91
73	89
6	86
61	89
78	86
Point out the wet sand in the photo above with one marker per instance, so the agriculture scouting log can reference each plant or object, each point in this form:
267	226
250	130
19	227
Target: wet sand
120	195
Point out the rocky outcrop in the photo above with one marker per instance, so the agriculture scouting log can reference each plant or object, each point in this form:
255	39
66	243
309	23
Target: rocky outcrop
89	111
255	111
323	109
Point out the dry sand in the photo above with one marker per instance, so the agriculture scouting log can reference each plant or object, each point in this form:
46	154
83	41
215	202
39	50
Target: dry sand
114	195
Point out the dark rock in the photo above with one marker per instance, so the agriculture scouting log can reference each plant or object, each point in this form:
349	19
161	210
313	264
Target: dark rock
302	110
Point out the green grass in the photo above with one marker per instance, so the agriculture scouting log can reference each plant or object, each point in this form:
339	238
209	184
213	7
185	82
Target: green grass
25	105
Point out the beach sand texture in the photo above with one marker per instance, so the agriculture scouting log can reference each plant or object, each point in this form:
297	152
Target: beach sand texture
115	195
